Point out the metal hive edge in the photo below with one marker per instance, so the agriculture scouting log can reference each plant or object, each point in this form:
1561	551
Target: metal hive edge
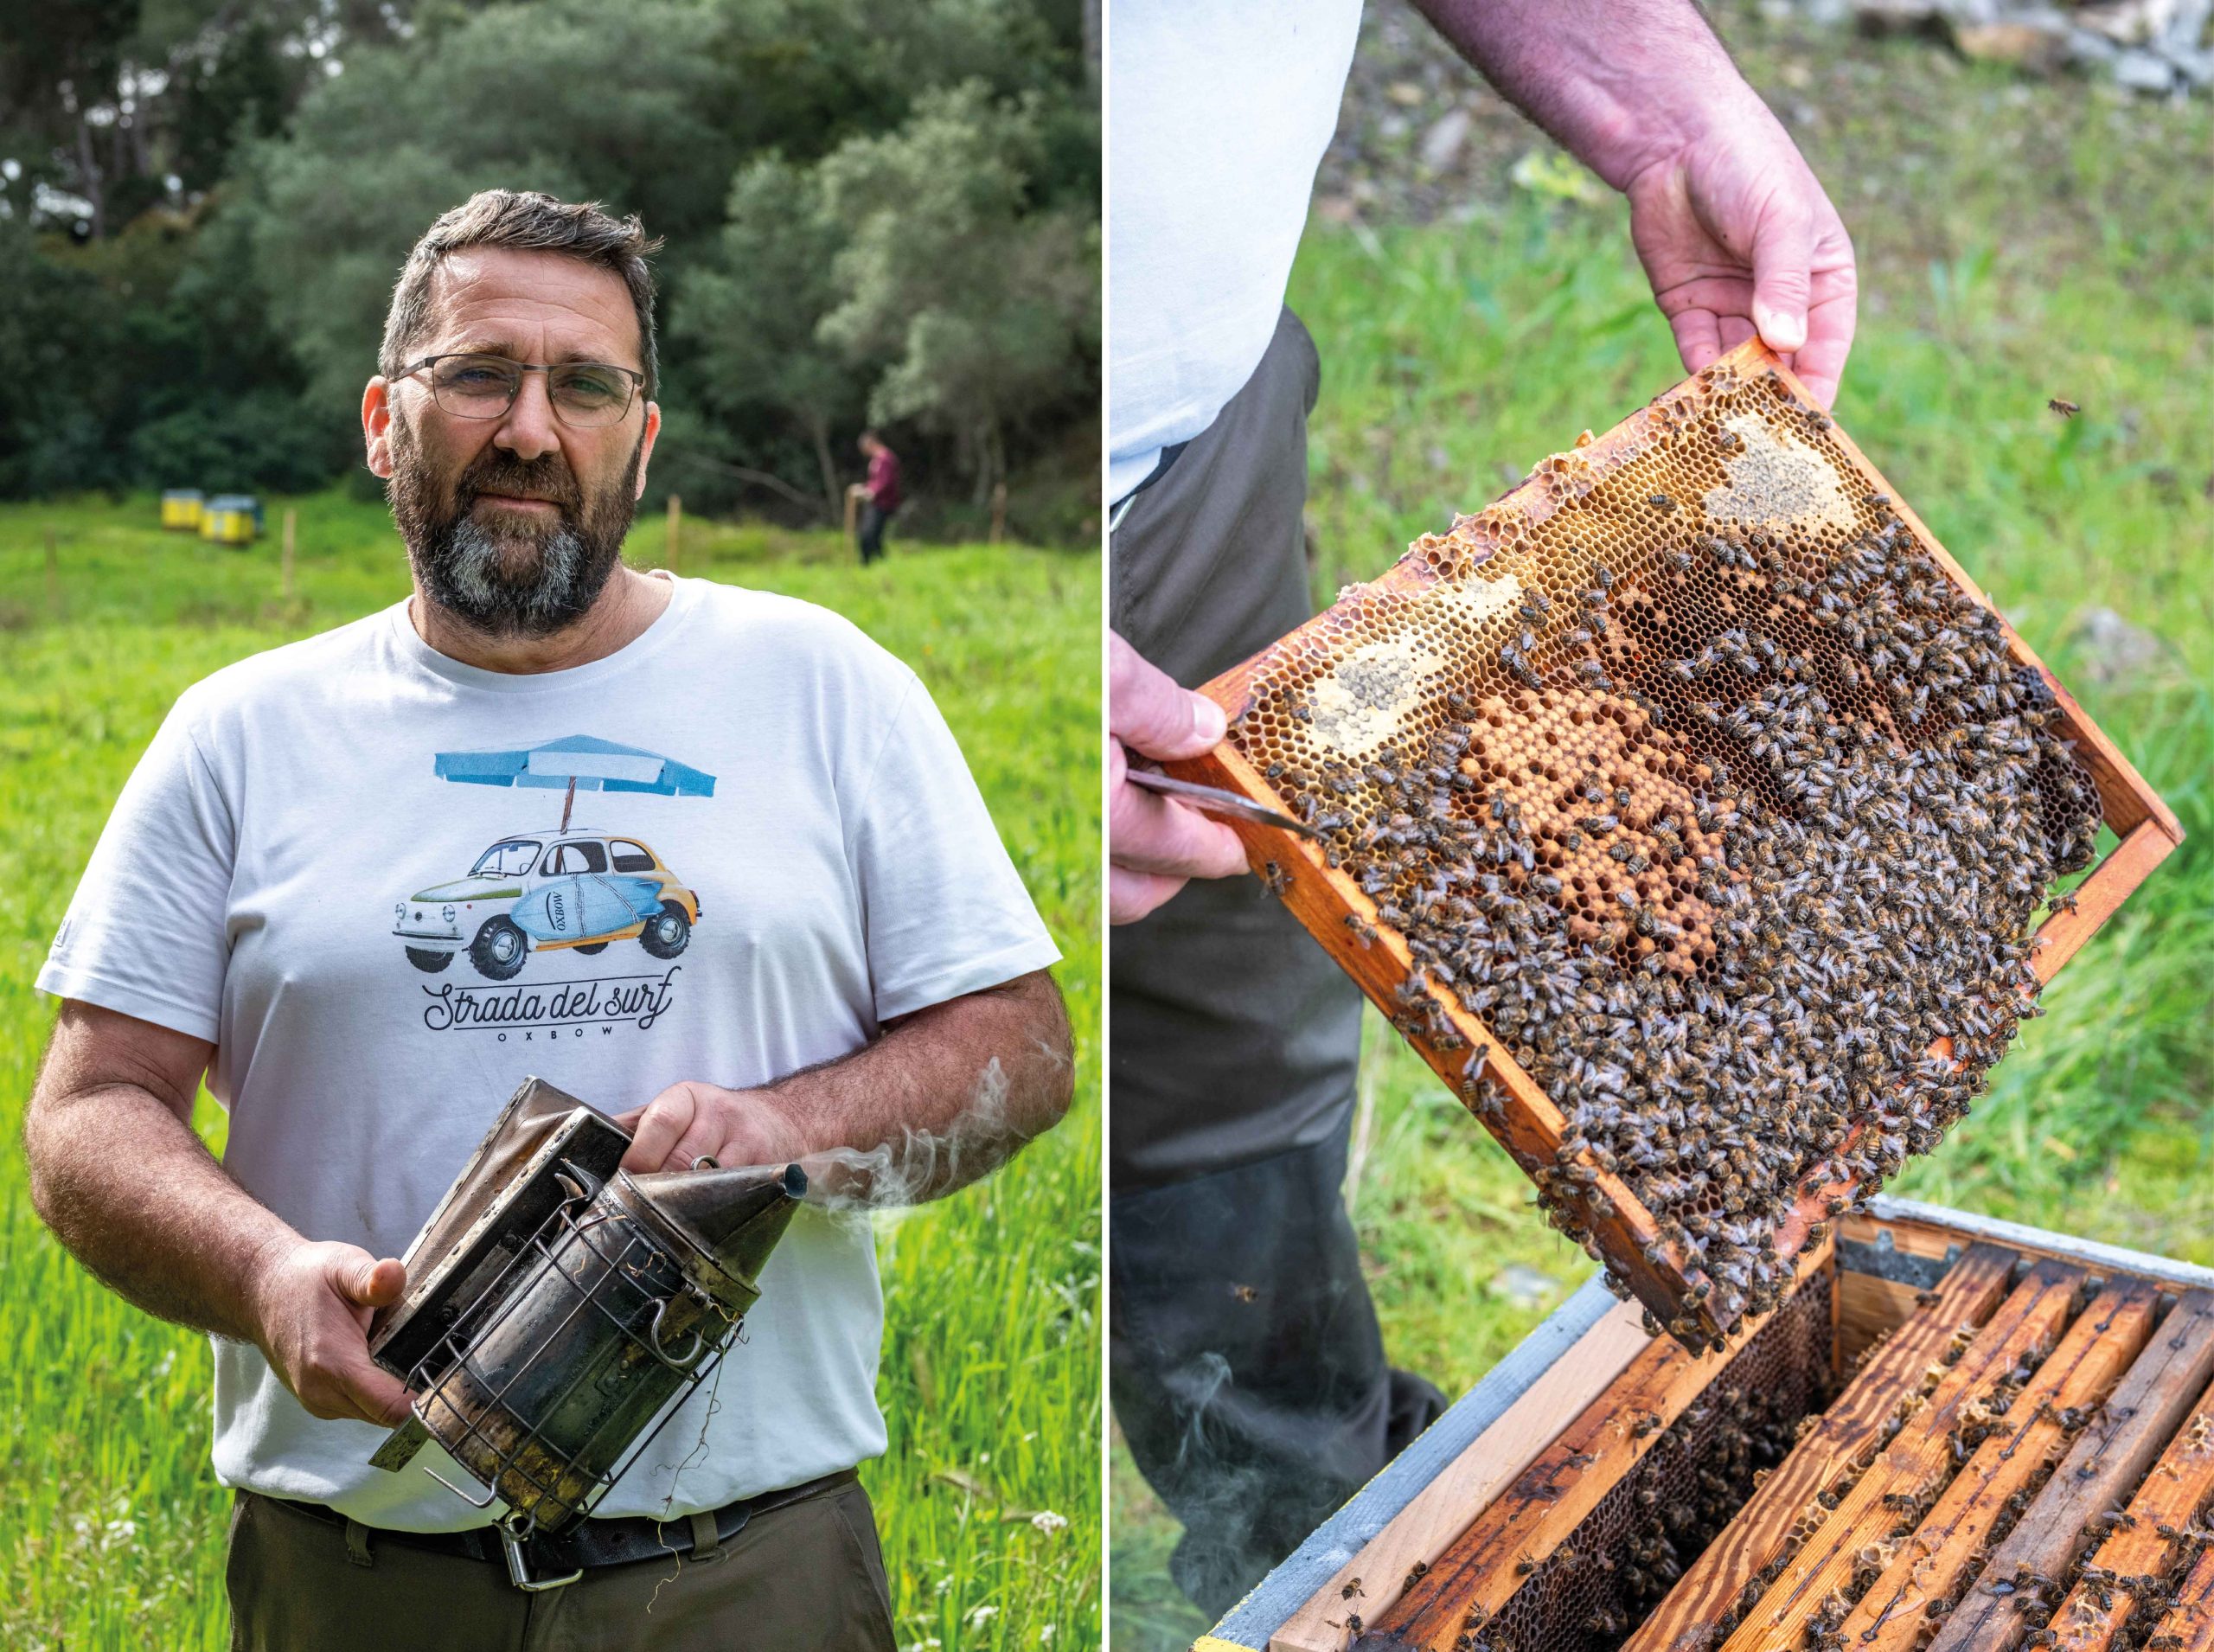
2102	1258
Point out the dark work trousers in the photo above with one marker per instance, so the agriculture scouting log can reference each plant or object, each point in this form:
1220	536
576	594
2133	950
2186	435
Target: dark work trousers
809	1574
1246	1366
871	531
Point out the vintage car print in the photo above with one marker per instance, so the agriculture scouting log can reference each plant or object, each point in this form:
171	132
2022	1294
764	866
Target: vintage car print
536	892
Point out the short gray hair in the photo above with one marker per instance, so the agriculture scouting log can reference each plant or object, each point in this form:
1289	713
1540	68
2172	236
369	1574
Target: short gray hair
527	221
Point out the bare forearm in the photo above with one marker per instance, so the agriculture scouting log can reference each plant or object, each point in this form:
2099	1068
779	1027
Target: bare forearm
1618	83
942	1096
137	1198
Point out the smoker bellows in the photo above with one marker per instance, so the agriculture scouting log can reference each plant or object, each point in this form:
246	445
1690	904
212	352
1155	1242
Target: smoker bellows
558	1309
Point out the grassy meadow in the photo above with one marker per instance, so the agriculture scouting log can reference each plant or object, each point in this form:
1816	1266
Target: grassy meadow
2017	242
111	1521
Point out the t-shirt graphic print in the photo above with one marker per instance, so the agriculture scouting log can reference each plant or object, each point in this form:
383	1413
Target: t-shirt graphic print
561	895
388	888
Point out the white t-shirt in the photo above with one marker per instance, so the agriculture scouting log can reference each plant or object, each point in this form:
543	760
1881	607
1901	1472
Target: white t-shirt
326	859
1218	112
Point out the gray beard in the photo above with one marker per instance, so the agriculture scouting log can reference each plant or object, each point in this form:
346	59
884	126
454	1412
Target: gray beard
457	561
466	576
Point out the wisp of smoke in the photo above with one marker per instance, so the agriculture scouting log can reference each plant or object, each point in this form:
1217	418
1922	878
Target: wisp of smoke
920	1164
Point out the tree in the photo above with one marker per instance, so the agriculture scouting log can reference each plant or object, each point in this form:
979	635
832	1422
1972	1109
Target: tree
204	204
983	303
584	100
750	313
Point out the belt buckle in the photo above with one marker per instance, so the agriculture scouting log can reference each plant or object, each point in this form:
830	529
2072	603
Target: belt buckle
519	1567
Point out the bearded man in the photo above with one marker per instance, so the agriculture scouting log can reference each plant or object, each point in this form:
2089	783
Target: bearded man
841	959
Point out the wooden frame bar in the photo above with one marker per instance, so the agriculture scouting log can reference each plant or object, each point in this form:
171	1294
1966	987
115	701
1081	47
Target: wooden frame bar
1949	1544
2149	1542
1420	1536
2108	1459
1916	1468
2189	1626
2028	1325
1530	1516
1846	1438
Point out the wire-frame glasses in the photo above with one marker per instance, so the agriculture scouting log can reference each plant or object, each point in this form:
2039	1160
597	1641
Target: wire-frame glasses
586	395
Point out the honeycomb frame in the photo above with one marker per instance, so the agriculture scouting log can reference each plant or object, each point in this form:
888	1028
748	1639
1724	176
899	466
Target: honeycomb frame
1350	925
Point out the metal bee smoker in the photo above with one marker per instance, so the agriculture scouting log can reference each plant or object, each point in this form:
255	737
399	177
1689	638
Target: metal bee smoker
559	1310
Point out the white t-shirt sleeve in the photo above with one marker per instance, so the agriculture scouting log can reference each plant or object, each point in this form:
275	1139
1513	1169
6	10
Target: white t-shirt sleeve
146	933
943	909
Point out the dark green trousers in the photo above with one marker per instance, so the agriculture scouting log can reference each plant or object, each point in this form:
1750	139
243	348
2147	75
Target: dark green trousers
807	1575
1244	1361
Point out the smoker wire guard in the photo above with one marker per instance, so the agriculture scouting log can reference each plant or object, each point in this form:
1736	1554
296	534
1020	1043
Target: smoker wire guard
1333	1545
656	1256
444	1375
1328	902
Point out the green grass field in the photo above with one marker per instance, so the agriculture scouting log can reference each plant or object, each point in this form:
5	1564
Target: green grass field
2017	242
110	1523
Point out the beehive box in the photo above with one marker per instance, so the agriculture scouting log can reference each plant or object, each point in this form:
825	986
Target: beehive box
180	507
1692	813
231	519
1953	1432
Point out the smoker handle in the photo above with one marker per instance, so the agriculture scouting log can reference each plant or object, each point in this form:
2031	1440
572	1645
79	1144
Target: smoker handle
681	1364
519	1570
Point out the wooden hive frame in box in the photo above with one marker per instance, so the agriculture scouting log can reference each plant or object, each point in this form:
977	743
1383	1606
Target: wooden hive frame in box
1978	1433
1441	569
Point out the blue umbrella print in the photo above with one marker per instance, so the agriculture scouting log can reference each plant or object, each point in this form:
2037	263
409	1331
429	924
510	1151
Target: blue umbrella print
577	762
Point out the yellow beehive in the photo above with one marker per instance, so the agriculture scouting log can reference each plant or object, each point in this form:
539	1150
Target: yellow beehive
230	519
181	509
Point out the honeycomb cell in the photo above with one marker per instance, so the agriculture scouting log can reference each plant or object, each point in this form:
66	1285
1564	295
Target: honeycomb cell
1711	796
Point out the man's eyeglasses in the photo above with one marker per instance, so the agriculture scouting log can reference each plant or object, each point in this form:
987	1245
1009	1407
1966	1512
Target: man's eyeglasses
584	394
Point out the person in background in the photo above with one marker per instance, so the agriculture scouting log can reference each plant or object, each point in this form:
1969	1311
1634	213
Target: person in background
880	495
1246	1367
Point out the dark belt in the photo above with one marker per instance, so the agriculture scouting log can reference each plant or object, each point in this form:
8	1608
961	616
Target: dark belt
546	1562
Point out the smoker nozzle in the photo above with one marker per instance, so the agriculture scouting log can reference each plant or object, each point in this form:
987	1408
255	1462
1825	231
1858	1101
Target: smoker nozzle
735	1216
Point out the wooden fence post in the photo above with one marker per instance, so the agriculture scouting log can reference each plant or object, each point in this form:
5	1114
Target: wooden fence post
291	516
676	528
52	571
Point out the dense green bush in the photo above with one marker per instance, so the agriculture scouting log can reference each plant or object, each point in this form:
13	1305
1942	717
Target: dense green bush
866	216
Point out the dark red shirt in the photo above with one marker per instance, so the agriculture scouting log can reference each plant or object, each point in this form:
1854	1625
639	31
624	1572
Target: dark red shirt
884	480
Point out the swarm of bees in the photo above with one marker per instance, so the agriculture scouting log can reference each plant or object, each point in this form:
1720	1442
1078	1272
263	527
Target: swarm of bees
1736	840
